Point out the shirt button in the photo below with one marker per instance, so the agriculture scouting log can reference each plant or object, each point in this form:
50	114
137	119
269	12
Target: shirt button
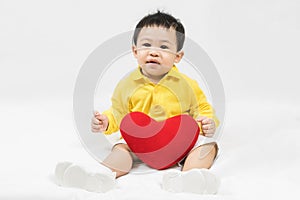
157	112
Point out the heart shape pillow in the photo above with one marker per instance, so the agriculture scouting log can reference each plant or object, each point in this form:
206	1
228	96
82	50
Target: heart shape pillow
159	144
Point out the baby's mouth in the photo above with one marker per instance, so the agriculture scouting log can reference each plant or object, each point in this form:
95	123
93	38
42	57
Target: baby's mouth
152	62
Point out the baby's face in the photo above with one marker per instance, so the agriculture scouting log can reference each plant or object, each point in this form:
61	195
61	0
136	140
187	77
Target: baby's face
156	51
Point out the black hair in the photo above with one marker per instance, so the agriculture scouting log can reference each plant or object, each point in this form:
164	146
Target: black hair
163	20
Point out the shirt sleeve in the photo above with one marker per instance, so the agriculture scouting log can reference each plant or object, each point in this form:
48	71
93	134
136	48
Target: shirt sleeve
118	109
112	124
202	107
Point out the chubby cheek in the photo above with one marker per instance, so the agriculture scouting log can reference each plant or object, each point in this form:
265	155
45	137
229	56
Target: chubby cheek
141	62
168	62
141	58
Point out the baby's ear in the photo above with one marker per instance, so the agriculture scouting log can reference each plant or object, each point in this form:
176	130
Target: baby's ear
134	50
179	56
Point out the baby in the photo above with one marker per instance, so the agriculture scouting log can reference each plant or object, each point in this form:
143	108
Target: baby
158	89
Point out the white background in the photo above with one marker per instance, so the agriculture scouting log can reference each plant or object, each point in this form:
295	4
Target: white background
254	44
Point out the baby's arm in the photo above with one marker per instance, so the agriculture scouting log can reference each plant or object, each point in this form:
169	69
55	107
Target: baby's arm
203	112
99	122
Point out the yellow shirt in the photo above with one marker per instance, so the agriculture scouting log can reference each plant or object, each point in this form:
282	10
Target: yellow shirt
174	94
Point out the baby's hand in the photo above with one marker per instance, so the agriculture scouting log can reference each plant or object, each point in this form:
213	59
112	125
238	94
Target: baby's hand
99	122
208	126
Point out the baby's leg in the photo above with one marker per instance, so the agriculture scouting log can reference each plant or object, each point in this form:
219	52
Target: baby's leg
195	176
201	157
96	177
119	160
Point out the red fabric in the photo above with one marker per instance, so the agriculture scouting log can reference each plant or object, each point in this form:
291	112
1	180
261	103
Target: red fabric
159	144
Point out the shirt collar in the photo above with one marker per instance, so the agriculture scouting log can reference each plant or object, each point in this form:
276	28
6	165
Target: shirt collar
137	75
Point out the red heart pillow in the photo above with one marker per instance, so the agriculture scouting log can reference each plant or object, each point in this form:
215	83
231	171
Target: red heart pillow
159	144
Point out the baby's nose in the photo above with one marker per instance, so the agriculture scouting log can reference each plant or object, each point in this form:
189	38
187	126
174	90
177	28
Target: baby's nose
153	52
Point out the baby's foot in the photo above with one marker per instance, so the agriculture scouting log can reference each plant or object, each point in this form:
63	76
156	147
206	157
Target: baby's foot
199	181
91	178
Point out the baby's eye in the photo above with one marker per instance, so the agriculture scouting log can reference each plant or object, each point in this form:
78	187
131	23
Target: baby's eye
164	47
146	45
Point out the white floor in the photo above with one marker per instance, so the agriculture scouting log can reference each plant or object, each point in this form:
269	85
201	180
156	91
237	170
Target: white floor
259	159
